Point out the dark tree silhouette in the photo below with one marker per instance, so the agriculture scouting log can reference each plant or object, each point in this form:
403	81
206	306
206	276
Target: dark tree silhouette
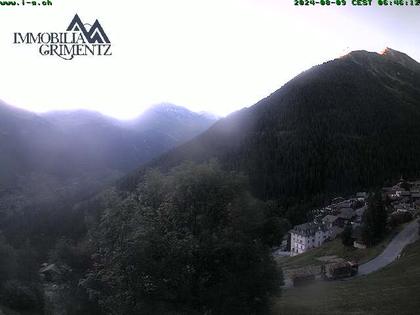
374	220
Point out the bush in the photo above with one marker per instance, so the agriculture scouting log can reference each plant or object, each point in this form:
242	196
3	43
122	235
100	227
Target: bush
374	221
346	236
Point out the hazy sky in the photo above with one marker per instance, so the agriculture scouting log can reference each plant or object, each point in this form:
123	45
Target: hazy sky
213	55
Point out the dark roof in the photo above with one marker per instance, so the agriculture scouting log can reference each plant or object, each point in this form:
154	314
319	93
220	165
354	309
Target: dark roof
308	229
329	218
344	204
337	200
346	213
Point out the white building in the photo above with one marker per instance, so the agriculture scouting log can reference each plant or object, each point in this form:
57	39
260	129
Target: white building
307	236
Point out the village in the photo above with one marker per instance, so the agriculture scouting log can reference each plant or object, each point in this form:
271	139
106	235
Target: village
329	222
401	200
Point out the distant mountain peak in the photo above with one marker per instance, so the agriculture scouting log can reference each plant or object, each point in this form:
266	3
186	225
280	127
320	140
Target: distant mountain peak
173	111
166	107
172	108
362	57
357	53
166	118
209	115
340	113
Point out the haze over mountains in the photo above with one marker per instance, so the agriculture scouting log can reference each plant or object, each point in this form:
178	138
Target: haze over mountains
343	126
348	124
70	154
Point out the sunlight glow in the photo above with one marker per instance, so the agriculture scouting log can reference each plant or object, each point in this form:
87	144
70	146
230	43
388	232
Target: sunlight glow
212	55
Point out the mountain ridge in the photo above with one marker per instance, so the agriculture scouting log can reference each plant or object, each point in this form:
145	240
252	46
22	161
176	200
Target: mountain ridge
322	133
61	154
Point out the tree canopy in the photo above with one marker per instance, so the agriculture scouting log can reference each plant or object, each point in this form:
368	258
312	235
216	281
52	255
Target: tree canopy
374	220
186	242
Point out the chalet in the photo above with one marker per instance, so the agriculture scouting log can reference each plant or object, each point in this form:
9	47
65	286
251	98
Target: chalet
307	236
334	271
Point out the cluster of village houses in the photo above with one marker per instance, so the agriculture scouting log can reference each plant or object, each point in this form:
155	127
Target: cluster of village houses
330	221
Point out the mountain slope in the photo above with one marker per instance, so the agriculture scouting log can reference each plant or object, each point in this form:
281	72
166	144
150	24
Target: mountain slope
21	141
351	123
61	154
123	145
50	162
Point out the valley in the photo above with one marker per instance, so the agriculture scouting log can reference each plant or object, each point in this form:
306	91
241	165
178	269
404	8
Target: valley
177	212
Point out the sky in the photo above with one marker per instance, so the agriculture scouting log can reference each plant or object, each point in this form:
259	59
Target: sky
207	55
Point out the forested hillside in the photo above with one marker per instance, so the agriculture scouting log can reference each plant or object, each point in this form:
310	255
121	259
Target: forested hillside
191	231
349	124
178	234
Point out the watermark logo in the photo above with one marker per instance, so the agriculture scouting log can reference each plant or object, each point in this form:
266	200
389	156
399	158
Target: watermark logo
80	39
94	35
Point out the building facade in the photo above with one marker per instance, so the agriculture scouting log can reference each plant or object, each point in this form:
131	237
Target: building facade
307	236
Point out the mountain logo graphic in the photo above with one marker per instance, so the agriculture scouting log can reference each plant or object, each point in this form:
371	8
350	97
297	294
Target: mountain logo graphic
94	34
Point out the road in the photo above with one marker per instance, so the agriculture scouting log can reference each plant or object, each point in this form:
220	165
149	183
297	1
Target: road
407	236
